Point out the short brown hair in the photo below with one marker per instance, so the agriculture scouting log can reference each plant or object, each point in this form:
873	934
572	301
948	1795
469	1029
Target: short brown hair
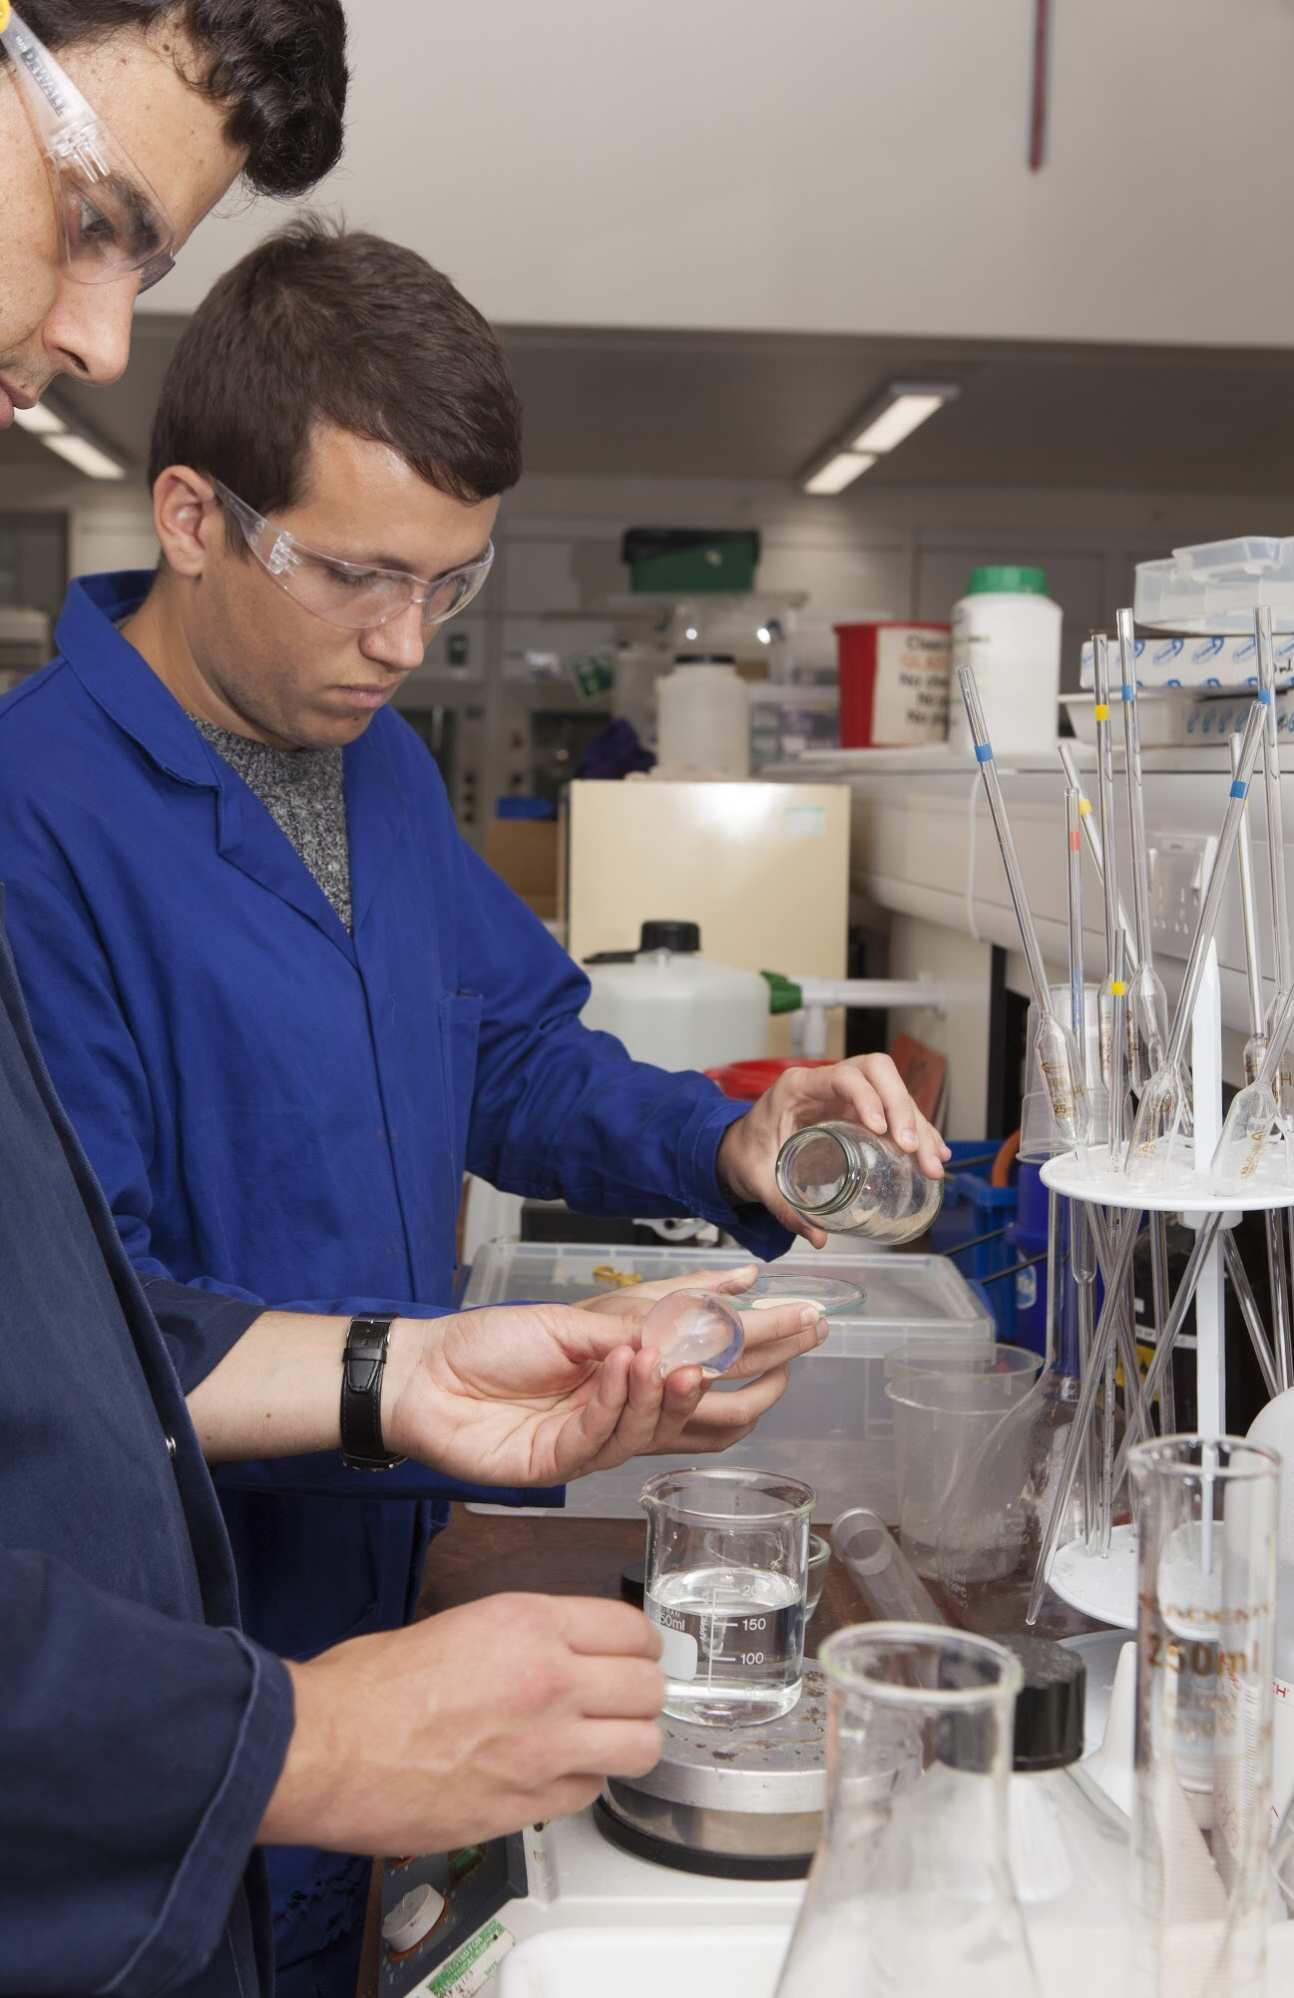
278	68
319	325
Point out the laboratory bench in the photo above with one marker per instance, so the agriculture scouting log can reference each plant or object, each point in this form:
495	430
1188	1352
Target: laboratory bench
485	1554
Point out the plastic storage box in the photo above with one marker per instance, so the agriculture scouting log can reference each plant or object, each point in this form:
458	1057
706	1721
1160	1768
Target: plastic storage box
833	1426
1216	585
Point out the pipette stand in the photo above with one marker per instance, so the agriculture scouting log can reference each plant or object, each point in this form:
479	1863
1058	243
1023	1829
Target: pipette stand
1104	1585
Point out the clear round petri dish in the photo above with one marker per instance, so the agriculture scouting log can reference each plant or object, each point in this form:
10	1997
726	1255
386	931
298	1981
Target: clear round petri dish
774	1287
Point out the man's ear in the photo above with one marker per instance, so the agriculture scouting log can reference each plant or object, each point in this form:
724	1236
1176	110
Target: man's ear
187	518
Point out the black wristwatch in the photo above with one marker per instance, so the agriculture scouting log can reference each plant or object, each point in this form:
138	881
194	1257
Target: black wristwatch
363	1365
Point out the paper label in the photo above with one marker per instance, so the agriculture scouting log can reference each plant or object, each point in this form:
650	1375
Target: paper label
910	699
470	1967
678	1647
804	822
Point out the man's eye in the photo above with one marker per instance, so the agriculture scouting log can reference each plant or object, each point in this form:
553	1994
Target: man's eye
92	227
352	579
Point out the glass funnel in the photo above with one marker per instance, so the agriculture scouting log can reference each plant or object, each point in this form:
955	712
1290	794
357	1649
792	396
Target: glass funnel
849	1181
910	1890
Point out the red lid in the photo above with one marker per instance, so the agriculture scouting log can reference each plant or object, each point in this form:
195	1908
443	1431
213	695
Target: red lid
747	1081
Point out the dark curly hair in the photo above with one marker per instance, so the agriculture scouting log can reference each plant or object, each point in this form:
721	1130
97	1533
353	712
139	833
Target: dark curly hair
320	324
277	66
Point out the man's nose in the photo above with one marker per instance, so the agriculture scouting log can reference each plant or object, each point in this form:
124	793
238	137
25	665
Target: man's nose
400	643
88	331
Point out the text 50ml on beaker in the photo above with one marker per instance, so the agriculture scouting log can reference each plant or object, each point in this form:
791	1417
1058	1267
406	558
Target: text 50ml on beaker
727	1555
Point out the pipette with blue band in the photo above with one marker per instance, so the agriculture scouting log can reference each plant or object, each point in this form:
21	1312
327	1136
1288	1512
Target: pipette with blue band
1056	1051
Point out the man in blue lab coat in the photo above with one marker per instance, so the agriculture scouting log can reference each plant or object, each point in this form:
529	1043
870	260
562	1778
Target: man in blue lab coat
284	1003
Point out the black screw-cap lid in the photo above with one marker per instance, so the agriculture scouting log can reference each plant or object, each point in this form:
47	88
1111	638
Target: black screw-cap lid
1049	1710
671	936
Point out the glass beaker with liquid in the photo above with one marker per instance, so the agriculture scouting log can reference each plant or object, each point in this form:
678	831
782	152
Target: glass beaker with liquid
849	1181
910	1891
726	1570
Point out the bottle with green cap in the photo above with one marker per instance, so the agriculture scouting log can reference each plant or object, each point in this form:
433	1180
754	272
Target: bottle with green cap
1008	629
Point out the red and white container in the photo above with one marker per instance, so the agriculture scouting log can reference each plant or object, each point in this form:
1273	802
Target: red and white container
893	684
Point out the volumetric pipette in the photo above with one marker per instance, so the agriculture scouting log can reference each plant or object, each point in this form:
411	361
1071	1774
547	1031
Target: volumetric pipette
1149	1000
1109	849
1057	1054
1082	1259
1163	1115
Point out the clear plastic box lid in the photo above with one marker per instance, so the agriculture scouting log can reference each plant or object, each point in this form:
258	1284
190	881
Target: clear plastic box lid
1217	586
903	1294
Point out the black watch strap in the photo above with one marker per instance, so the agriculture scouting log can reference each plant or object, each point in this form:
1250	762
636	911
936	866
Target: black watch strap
363	1365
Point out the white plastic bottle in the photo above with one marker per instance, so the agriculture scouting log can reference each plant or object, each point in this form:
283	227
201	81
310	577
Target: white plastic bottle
1008	629
673	1007
703	720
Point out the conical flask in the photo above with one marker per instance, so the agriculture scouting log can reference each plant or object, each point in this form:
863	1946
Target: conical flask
910	1890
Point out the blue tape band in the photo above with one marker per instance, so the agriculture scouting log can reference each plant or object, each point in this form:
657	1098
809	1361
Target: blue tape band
1128	691
983	752
1239	790
1264	696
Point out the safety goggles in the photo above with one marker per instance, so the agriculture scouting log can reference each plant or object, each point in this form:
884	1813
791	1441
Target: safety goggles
111	223
353	594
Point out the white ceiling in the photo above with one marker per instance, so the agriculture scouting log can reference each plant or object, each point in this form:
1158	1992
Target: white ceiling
759	406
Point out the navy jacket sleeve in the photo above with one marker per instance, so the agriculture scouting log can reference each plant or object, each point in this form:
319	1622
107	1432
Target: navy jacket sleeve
560	1112
89	1049
138	1755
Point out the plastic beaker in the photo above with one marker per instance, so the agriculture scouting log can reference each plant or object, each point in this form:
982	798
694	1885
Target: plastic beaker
1206	1594
910	1890
726	1571
944	1417
848	1181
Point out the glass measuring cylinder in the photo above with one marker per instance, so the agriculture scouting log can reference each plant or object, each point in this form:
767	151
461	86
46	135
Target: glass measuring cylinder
910	1890
726	1572
1206	1591
848	1181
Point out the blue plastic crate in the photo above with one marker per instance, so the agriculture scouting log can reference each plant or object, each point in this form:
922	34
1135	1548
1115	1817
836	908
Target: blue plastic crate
974	1228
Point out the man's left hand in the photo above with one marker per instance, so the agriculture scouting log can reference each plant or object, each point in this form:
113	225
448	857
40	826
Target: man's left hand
868	1091
539	1394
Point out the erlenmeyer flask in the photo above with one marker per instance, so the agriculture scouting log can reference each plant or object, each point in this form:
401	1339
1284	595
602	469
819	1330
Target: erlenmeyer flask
910	1890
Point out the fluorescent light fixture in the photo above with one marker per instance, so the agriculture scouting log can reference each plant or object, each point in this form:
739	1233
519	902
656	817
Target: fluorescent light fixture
41	422
839	471
900	409
908	408
69	442
87	457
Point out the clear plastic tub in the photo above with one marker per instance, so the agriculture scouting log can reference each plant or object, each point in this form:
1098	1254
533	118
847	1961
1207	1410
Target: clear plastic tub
834	1426
1216	585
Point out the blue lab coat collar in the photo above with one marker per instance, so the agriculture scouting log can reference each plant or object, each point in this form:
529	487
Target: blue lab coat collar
122	683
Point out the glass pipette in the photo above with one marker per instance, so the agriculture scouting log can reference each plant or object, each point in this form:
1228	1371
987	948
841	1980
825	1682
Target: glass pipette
1082	1260
1149	1000
1109	848
1163	1114
1280	916
1057	1055
1255	1048
1096	852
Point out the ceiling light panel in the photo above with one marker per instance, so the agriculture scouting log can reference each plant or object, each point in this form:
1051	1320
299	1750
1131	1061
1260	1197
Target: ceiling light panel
839	472
906	413
87	457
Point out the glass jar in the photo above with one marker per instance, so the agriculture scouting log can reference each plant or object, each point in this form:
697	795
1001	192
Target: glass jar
848	1181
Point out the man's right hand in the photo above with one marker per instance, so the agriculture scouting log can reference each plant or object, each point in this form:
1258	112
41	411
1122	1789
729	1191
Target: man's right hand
479	1721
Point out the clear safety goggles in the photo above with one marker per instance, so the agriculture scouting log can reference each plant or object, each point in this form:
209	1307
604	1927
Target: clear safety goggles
353	594
111	223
